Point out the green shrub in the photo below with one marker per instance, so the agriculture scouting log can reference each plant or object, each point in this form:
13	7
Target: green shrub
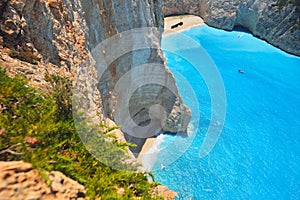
39	129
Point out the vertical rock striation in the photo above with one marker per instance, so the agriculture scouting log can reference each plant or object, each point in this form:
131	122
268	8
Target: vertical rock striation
261	17
46	37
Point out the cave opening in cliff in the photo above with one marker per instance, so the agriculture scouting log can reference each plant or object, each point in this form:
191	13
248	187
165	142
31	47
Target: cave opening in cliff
241	28
177	14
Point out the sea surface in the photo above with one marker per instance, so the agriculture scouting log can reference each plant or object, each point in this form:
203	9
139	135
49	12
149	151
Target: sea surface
257	155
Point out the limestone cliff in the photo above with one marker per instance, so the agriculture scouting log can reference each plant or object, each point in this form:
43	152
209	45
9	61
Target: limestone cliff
261	17
153	105
60	36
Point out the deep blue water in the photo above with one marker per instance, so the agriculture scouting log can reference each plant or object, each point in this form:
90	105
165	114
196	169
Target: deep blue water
258	153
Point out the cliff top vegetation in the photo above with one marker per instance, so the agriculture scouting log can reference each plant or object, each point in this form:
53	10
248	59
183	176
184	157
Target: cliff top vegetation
39	129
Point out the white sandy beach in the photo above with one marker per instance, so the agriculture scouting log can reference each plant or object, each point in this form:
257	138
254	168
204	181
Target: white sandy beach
150	151
147	146
188	21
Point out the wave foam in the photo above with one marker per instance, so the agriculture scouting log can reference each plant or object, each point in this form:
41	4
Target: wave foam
149	157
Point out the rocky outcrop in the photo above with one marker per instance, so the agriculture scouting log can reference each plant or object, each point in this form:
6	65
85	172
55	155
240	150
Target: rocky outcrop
165	192
19	181
137	89
261	17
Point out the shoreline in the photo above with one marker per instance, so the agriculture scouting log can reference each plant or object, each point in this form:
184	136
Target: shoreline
146	147
189	21
149	152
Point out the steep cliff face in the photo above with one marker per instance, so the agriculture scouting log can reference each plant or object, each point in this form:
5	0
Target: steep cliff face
142	106
63	37
38	37
261	17
52	30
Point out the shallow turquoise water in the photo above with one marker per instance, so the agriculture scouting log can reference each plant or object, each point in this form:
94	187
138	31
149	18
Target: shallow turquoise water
258	153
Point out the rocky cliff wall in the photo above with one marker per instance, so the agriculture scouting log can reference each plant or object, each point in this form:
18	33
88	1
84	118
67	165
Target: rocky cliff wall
63	37
38	37
137	89
261	17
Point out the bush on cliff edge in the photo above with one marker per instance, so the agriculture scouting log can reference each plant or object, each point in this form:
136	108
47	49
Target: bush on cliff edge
39	128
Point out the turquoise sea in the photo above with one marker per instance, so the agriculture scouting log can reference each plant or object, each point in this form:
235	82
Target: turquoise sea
258	153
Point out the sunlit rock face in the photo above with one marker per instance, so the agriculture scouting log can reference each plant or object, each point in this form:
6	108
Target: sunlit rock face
137	89
261	17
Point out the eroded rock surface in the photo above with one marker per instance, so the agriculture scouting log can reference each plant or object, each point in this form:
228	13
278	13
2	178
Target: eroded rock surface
261	17
19	181
165	192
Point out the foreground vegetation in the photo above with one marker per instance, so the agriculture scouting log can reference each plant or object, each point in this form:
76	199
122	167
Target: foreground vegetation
39	128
